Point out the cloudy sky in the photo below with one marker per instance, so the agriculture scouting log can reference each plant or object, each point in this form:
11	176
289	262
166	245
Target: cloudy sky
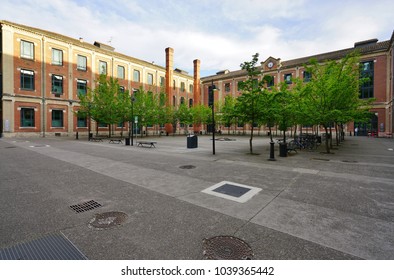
221	33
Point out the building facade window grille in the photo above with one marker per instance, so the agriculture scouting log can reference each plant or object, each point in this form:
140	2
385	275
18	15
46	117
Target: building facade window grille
288	78
27	50
81	87
27	79
27	117
367	72
136	76
103	67
82	63
57	84
57	118
150	79
121	72
57	57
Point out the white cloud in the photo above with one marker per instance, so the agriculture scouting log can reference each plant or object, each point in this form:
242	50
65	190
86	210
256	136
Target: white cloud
221	33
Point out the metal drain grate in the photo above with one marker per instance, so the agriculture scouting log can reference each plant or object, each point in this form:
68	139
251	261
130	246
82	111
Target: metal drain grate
226	248
321	159
232	190
108	220
52	247
85	206
187	167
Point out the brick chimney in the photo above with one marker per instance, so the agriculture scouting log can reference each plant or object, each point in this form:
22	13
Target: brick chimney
169	78
196	91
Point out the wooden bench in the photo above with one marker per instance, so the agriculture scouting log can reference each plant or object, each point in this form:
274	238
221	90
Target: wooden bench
146	144
115	140
96	139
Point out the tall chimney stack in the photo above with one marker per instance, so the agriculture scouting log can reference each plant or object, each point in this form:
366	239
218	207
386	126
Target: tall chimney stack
169	78
196	91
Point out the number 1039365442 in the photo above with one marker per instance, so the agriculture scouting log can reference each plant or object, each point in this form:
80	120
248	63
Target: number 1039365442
253	270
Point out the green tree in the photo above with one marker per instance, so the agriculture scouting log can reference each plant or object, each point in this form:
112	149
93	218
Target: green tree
332	95
184	116
103	102
250	103
228	113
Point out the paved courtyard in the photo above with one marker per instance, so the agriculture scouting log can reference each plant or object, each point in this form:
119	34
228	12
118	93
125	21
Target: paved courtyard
309	205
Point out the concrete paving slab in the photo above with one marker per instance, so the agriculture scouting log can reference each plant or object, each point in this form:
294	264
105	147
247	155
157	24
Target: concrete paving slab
353	234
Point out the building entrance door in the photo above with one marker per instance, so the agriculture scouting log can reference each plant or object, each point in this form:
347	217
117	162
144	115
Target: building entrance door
363	129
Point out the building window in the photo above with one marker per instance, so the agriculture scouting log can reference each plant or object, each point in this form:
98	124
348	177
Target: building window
182	100
173	85
81	87
121	73
27	79
182	86
307	76
27	49
27	117
271	81
136	76
150	79
82	121
227	87
57	84
288	78
57	57
190	103
162	81
367	72
174	101
122	89
82	63
191	88
103	67
239	84
57	118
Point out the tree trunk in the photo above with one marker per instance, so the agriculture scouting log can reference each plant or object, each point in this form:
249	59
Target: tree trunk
327	136
251	140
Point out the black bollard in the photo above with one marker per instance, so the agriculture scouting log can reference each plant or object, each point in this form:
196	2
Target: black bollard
272	151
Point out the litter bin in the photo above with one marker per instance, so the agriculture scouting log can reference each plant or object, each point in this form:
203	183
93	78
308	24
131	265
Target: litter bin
192	141
127	141
283	149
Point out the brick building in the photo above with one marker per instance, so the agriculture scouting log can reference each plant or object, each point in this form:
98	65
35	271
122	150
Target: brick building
41	74
377	61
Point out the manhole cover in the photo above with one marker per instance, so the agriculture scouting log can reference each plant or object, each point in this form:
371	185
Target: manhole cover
108	220
187	167
85	206
226	248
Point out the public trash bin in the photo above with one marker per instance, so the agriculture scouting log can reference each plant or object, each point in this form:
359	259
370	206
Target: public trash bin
283	149
192	141
127	141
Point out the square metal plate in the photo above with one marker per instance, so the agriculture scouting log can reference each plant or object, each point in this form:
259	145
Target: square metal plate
232	191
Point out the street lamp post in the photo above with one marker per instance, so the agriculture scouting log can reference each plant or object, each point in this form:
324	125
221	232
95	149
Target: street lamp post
132	99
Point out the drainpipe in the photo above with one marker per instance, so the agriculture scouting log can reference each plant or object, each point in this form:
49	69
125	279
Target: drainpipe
43	87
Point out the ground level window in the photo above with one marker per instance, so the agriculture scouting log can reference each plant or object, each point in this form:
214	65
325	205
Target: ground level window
27	117
82	121
57	118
